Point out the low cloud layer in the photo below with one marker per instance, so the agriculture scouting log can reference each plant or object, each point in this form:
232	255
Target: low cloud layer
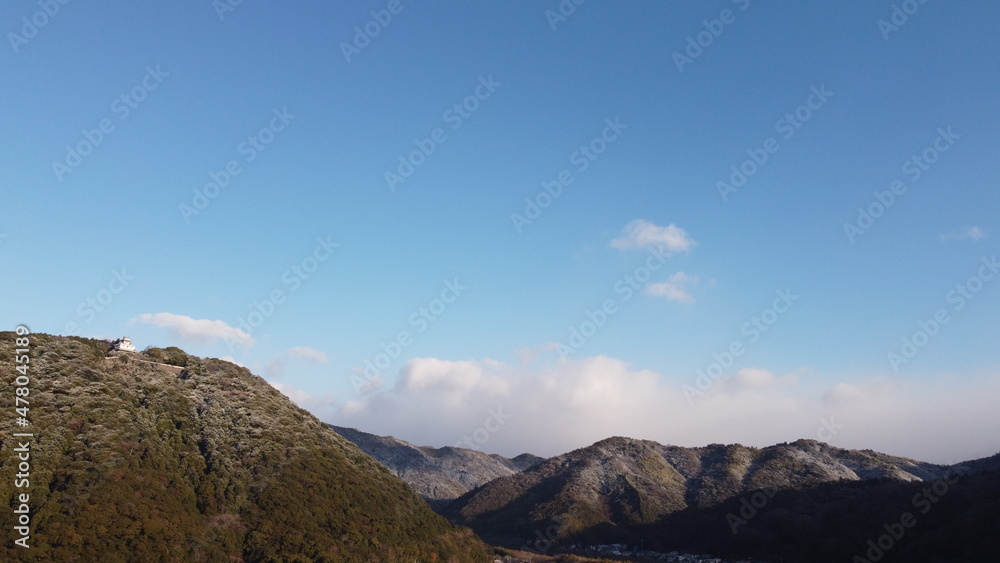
508	409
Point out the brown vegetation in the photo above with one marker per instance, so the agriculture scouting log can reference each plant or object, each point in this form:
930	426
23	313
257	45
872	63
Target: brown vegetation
130	462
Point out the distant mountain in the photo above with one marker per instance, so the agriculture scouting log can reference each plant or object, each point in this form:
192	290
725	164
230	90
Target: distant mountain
623	483
439	474
162	456
955	519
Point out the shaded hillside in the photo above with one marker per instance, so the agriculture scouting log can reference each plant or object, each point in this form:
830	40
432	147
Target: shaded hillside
199	462
623	483
439	474
951	521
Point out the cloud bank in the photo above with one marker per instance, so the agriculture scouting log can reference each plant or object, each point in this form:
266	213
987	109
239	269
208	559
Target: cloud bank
574	403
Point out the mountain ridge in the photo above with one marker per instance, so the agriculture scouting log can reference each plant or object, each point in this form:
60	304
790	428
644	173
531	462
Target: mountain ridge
438	474
622	481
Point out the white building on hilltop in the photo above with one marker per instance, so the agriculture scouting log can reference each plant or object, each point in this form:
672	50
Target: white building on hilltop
123	345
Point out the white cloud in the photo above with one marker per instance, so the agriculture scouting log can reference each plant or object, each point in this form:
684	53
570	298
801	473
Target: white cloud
675	288
452	382
303	352
431	373
201	331
364	382
567	404
351	408
643	234
751	379
437	402
971	233
846	394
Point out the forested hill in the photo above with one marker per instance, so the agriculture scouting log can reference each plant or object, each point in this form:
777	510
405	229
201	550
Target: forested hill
199	460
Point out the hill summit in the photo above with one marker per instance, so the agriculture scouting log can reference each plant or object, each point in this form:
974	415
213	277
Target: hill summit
162	456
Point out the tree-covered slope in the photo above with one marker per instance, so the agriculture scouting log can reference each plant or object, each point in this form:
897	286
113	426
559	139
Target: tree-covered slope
135	461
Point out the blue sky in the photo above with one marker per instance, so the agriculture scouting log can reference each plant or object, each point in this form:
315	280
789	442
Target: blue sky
309	117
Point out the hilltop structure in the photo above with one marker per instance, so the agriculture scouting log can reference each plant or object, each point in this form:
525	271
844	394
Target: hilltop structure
123	344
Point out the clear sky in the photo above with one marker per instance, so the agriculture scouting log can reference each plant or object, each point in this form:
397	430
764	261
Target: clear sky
549	218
